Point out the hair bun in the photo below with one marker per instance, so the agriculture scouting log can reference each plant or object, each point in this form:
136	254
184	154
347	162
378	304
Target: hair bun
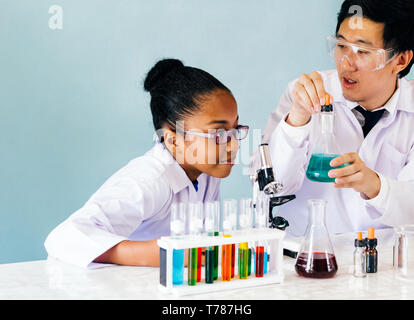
159	71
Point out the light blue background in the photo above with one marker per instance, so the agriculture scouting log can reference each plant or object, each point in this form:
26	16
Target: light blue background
73	110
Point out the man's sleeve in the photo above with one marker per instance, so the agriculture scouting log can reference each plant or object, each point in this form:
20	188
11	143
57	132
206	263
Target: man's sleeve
394	205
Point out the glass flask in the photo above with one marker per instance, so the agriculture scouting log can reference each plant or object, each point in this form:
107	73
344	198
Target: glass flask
316	258
323	147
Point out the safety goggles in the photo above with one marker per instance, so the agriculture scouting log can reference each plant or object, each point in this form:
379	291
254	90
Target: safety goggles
222	136
362	57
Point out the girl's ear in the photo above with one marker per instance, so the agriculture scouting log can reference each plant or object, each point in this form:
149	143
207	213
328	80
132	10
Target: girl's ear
170	140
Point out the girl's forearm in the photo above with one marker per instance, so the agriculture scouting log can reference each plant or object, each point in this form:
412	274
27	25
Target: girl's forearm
132	253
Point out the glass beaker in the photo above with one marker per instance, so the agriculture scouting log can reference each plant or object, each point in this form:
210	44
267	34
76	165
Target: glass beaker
316	258
324	147
403	259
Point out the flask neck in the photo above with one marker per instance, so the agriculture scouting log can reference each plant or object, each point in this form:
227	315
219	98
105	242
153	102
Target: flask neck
327	123
317	209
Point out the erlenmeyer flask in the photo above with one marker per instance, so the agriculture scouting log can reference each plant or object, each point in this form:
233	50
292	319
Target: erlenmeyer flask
323	146
316	258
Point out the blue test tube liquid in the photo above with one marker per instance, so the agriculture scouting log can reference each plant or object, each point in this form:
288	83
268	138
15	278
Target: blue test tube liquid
254	261
265	263
177	227
178	267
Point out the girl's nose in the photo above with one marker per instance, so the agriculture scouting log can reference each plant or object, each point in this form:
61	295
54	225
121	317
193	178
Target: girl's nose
233	145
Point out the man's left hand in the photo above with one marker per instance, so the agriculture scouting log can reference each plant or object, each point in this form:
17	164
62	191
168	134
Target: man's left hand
355	175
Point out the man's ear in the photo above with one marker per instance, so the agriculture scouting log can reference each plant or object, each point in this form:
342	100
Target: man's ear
403	61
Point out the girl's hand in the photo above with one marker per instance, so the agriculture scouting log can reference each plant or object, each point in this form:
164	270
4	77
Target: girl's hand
356	175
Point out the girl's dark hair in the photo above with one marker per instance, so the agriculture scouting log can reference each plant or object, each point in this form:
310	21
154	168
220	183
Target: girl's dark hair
398	17
177	90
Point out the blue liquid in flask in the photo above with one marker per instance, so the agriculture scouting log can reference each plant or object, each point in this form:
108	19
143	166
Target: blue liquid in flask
319	166
178	267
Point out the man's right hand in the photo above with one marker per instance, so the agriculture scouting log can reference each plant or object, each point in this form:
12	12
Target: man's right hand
307	98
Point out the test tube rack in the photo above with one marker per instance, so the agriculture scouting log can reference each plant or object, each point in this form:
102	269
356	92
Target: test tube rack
275	273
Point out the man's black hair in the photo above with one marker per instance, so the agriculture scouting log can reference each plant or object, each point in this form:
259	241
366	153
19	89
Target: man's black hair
396	15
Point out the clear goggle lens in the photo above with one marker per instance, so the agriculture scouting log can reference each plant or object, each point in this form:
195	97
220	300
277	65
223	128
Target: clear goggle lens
362	57
239	133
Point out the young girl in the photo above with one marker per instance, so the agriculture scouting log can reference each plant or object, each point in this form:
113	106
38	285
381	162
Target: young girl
196	122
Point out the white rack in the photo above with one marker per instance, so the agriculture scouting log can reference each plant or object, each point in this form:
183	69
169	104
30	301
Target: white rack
274	273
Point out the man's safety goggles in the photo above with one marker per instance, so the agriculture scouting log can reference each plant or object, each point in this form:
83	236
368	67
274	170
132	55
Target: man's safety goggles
362	57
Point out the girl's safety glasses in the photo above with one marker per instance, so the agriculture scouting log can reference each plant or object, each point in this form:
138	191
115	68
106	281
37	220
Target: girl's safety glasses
222	136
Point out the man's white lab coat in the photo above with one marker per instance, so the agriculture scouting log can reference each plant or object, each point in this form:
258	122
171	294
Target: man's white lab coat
388	150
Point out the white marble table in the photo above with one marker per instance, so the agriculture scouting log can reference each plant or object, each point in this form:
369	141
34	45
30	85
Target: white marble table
50	279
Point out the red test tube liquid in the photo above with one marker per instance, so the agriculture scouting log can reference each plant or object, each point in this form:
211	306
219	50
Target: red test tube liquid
233	255
259	262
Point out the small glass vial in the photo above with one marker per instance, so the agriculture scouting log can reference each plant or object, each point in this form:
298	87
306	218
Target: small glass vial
371	252
359	257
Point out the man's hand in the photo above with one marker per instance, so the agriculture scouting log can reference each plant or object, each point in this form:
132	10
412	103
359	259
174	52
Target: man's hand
307	98
355	175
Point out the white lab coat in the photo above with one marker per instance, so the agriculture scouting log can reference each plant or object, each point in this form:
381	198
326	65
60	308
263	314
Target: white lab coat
133	204
388	150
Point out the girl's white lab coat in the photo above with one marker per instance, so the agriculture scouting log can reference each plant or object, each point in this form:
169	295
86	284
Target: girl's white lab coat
133	204
388	150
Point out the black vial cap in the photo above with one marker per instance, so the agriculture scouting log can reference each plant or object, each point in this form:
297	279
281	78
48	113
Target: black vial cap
371	243
360	243
328	108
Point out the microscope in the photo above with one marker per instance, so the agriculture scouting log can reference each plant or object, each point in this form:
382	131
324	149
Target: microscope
266	189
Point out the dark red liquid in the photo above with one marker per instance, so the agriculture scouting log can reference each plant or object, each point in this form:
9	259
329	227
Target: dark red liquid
259	261
233	255
322	265
199	252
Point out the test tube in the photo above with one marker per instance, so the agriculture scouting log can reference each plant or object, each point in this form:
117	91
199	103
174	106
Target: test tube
199	263
195	215
245	222
210	224
216	234
177	227
261	222
249	263
229	217
266	260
